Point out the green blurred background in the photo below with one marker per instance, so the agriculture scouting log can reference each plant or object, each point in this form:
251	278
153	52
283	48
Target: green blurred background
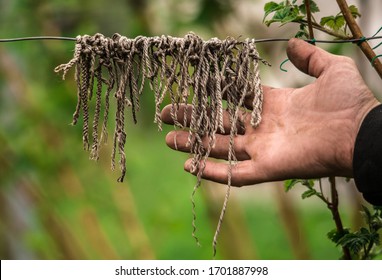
57	204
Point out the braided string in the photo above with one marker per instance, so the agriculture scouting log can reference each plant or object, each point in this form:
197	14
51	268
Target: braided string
186	69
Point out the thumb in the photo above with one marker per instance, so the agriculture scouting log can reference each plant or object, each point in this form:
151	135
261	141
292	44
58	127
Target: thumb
308	58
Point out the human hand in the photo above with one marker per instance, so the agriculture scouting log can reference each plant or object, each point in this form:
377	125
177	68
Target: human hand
306	132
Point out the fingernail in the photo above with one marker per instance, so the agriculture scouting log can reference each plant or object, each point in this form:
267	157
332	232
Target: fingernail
170	137
188	165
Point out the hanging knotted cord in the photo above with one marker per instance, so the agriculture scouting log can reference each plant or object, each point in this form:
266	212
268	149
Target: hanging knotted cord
186	69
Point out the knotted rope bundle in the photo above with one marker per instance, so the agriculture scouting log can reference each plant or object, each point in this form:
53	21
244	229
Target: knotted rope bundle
187	69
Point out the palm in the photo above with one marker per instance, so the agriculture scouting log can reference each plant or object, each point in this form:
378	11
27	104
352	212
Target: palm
305	133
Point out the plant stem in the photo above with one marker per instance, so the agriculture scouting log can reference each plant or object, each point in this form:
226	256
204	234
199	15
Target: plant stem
309	19
325	30
367	250
357	33
333	207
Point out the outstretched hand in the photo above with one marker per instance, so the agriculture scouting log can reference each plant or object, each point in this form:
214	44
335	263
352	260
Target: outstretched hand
306	132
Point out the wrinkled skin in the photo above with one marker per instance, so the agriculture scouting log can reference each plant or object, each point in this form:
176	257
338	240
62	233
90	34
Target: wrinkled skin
306	132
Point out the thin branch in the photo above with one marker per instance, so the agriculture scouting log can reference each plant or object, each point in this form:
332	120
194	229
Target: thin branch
309	19
316	26
320	184
333	207
357	33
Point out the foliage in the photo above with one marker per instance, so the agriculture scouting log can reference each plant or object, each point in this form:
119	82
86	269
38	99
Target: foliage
363	242
295	11
337	22
286	11
289	184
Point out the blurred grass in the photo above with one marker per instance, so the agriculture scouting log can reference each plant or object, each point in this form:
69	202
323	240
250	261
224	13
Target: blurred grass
57	204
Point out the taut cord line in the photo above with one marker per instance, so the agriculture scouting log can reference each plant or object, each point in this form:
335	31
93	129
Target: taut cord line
266	40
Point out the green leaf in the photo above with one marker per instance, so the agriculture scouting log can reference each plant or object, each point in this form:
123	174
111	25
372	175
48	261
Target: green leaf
371	237
335	236
335	23
301	34
339	22
289	184
279	15
308	183
313	7
366	212
325	20
364	231
358	240
377	218
291	18
375	238
354	11
354	241
284	15
308	193
271	7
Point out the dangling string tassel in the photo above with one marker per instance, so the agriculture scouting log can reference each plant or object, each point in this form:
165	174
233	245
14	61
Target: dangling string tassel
210	70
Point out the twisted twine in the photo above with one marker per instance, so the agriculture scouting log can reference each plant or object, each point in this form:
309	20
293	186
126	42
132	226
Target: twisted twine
178	67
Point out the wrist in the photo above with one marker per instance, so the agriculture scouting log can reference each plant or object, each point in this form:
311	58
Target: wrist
347	124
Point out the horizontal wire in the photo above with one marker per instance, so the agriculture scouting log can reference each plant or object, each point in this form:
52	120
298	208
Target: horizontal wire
36	38
320	41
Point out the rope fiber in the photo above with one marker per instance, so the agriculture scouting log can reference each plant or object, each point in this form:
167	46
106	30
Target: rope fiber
185	69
